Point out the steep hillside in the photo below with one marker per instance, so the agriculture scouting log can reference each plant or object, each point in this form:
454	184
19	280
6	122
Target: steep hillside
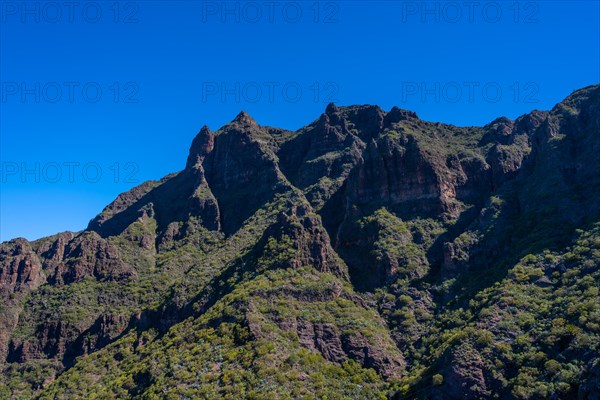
370	254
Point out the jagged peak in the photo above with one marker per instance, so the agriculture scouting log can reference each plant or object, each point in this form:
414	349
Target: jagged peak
501	120
503	125
243	118
205	130
362	107
529	122
366	118
397	114
335	114
331	109
356	108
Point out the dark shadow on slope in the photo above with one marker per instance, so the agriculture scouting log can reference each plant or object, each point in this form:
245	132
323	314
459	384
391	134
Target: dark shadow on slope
169	202
242	176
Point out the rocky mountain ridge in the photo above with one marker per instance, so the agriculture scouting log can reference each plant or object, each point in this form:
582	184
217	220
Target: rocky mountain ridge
359	255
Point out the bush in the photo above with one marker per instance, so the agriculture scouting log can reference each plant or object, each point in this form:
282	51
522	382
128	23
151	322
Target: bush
552	367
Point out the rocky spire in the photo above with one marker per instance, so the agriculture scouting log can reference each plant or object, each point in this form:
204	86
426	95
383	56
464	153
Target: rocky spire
331	109
244	119
202	144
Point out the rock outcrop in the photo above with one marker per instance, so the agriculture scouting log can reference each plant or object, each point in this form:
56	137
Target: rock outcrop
20	267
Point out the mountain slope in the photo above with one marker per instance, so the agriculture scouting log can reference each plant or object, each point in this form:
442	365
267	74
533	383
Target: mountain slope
369	254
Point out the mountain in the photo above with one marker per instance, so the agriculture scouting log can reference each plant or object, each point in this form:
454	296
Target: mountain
368	255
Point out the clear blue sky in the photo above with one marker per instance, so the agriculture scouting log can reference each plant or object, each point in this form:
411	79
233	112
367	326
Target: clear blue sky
125	86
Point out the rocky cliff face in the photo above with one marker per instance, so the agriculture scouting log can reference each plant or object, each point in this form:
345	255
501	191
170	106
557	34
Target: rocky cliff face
21	267
368	254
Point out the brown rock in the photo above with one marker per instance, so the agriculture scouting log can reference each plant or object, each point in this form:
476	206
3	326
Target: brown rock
90	255
20	267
